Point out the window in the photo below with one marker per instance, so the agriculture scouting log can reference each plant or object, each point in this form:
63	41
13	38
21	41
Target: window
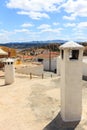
62	54
74	54
40	60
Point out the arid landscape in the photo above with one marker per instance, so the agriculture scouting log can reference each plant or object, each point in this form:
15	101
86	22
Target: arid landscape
43	61
31	104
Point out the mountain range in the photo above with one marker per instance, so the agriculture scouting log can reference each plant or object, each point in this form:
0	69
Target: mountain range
23	45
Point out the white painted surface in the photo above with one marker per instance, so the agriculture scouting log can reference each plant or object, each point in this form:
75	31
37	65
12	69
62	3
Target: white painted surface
71	45
58	65
85	65
3	52
71	83
36	70
53	64
9	71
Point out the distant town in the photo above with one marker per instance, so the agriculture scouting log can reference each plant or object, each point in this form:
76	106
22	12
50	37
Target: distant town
43	52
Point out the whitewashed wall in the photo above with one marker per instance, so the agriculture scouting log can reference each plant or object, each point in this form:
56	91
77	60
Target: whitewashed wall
85	66
36	70
53	64
58	65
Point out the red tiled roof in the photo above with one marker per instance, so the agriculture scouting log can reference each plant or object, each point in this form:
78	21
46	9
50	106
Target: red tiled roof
43	56
50	54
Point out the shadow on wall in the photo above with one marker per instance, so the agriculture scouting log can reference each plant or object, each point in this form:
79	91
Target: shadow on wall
84	77
59	124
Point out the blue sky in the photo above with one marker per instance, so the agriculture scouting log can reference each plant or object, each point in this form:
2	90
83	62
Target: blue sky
32	20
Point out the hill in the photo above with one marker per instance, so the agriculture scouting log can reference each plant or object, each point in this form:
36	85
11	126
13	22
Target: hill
22	45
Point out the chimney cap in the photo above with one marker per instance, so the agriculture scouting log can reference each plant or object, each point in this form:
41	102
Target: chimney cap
71	45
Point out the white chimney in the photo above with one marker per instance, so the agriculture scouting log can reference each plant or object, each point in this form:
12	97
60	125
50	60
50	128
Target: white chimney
9	71
71	81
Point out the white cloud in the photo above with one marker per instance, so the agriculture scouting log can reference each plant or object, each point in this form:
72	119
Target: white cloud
44	32
21	30
82	25
55	23
44	26
58	30
16	35
25	25
71	17
34	15
80	37
35	9
70	25
80	29
5	35
48	28
75	8
35	5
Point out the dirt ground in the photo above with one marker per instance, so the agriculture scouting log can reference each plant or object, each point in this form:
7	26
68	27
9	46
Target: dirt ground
32	104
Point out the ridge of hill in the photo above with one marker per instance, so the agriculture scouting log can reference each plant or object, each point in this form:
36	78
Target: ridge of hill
22	45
